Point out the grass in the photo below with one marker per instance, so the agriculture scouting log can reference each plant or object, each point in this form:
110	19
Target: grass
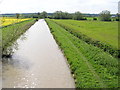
7	20
90	66
94	36
106	32
12	32
91	18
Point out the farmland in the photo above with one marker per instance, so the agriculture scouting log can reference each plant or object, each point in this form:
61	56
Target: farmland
91	66
101	34
7	20
60	44
106	32
11	33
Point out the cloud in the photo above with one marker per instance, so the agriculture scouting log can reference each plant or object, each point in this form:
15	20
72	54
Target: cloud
85	6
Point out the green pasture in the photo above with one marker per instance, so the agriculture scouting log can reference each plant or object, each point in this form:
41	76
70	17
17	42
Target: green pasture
106	32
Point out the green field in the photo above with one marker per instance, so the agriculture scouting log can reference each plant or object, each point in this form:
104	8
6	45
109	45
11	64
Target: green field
98	33
12	32
106	32
91	18
91	67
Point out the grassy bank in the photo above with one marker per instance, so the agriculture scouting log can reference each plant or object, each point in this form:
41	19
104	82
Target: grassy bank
101	34
12	33
91	67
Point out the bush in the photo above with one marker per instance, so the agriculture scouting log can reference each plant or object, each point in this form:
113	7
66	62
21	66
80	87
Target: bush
84	19
117	19
94	18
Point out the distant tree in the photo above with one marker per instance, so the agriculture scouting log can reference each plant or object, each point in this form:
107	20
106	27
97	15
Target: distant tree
44	14
38	15
118	17
61	15
17	15
105	15
57	15
67	15
94	18
78	16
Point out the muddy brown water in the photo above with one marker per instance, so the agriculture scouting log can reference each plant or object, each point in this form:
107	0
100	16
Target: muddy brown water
37	63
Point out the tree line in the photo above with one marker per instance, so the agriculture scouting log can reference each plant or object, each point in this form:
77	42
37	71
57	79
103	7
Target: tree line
103	16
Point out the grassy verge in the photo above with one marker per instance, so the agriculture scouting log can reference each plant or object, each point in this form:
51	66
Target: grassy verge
11	33
101	34
90	66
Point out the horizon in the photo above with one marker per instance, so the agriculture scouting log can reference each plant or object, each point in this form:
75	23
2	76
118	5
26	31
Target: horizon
48	12
50	6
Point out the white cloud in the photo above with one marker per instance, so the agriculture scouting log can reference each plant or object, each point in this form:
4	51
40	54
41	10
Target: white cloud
85	6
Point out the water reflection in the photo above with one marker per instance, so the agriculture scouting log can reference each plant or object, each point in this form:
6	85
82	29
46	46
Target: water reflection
14	60
14	47
23	37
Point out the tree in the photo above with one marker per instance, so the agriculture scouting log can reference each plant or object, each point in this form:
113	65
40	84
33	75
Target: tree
105	15
17	15
57	15
61	15
66	15
94	18
38	15
118	17
77	16
44	14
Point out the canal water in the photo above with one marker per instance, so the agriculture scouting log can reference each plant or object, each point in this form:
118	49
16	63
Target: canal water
37	62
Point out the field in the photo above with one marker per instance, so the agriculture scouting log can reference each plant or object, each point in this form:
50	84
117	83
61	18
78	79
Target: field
89	47
7	20
91	66
12	32
91	18
106	32
101	34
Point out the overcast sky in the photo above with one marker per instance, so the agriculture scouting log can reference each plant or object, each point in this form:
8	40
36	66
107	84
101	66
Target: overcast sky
84	6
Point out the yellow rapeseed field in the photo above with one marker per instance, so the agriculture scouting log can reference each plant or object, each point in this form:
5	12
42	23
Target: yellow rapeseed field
4	21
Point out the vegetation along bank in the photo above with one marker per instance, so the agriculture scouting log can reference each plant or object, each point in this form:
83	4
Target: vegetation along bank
91	66
12	32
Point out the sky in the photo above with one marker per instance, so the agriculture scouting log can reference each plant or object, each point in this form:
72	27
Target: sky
50	6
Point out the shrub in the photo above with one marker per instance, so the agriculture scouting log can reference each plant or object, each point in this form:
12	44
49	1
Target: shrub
94	18
117	19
